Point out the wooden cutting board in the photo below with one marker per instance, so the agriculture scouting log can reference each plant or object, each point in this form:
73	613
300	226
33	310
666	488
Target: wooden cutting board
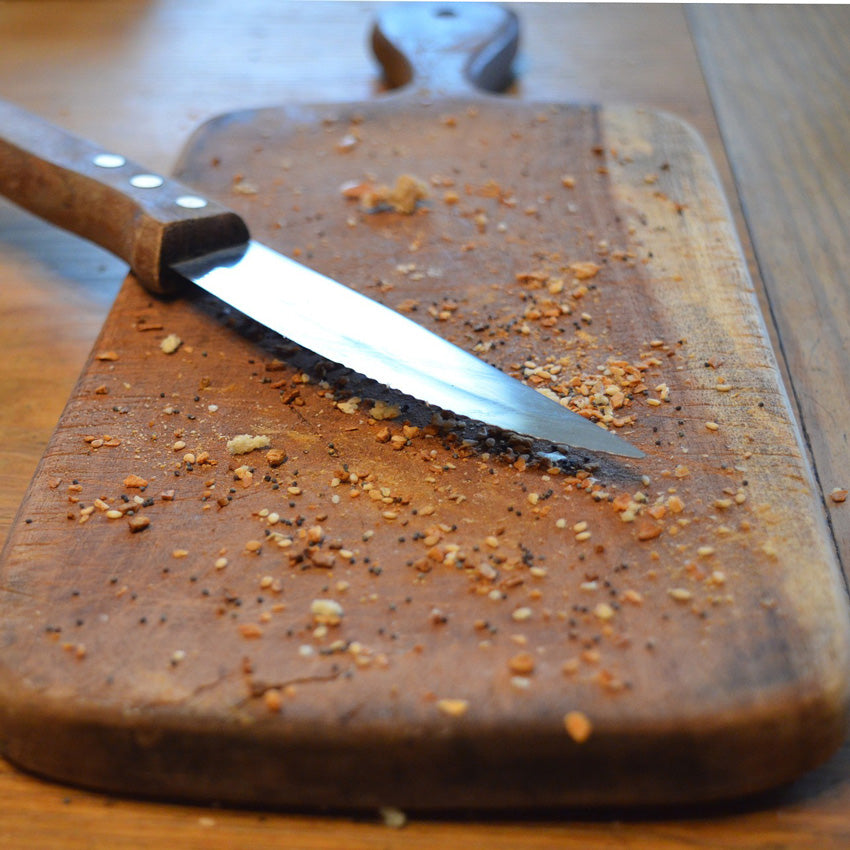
382	605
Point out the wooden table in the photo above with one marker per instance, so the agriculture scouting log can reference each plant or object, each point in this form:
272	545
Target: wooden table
765	86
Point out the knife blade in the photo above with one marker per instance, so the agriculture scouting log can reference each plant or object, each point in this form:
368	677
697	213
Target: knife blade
168	233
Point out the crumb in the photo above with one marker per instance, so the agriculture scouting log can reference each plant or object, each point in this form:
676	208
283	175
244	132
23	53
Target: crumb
453	707
244	187
138	523
350	406
403	197
381	410
244	443
250	631
347	143
326	612
392	817
170	344
275	457
273	700
584	271
578	726
522	664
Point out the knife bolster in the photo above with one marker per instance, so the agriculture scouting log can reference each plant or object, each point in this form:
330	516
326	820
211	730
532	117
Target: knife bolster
159	243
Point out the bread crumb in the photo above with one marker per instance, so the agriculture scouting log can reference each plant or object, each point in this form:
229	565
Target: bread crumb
392	817
138	523
453	707
522	664
578	726
170	344
250	631
350	406
244	187
244	443
381	410
275	457
273	700
403	197
326	612
584	271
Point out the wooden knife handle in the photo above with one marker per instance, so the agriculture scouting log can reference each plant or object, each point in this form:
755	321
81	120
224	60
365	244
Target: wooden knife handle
446	48
148	221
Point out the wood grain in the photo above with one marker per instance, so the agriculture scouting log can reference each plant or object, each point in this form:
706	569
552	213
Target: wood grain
803	250
101	74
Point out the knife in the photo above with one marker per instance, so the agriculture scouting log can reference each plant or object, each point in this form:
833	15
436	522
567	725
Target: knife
168	234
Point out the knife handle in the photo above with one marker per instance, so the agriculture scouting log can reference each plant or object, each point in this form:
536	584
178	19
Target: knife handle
446	48
148	221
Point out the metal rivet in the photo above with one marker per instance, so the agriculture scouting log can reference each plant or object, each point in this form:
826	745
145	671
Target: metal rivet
146	181
109	160
190	202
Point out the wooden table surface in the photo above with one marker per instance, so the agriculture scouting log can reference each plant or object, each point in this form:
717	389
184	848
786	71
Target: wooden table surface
765	86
